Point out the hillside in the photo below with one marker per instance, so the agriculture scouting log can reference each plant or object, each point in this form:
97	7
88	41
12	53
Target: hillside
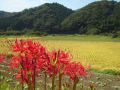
100	17
43	18
5	14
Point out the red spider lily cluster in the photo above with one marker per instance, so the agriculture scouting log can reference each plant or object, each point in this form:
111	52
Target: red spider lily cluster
28	59
31	57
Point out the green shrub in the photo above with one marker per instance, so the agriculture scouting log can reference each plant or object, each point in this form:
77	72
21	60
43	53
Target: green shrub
117	34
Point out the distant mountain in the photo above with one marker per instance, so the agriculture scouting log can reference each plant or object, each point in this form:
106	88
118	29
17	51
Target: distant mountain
44	18
5	14
100	17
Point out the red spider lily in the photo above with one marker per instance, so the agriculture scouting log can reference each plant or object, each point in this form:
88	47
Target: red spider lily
56	61
73	70
2	56
29	58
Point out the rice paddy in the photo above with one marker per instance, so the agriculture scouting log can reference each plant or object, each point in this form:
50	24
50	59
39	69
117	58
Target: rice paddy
99	52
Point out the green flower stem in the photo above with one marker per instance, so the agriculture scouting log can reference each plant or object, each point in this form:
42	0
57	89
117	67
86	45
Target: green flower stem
45	81
60	78
76	80
53	82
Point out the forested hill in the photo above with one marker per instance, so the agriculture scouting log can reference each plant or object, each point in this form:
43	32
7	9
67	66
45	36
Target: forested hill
5	14
100	17
45	18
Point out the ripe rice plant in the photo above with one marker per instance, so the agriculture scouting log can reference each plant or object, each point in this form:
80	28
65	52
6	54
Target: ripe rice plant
98	51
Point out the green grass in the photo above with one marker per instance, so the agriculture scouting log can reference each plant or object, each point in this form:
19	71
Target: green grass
105	71
81	38
74	37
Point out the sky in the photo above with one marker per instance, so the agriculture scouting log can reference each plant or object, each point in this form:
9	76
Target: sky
19	5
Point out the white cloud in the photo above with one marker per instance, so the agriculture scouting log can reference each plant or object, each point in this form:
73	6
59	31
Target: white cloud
18	5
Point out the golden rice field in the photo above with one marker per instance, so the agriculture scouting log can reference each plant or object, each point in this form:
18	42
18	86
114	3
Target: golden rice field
100	54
